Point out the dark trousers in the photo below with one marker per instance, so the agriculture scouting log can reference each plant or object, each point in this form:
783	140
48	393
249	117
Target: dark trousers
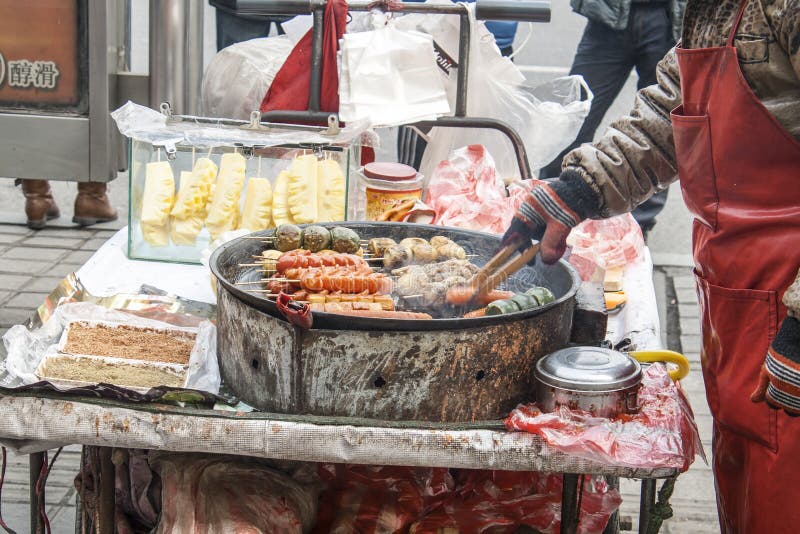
605	58
232	29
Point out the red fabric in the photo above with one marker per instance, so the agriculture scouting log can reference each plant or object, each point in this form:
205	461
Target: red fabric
739	172
661	434
290	88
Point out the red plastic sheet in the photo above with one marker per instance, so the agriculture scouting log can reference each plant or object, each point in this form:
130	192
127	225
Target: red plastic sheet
662	434
499	502
378	499
388	500
466	192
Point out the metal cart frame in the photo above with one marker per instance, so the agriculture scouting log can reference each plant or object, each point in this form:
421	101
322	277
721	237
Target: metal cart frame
651	512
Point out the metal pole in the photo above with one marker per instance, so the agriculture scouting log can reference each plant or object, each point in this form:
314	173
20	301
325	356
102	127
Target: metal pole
106	493
569	504
315	83
176	54
35	463
194	56
646	503
463	64
613	522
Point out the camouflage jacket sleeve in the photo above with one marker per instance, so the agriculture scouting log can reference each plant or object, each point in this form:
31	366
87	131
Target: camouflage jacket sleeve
636	156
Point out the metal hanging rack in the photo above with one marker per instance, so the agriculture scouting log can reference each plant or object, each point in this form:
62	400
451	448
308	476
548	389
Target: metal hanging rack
511	10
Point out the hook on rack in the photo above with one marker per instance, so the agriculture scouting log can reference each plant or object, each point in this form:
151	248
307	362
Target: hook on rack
166	109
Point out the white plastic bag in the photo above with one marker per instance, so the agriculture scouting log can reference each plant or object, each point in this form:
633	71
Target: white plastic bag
547	117
238	77
389	77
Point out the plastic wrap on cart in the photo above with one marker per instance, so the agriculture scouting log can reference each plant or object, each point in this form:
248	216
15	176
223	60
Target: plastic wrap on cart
26	348
145	124
663	432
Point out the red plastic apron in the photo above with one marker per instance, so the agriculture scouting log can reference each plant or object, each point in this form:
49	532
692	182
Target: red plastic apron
740	175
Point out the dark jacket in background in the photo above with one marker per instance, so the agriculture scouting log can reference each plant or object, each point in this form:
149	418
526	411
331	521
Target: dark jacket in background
614	13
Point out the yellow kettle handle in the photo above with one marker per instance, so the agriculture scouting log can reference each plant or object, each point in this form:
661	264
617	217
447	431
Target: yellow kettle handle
652	356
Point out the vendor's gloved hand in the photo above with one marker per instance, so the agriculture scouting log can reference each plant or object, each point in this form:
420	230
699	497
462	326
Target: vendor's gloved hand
549	213
779	383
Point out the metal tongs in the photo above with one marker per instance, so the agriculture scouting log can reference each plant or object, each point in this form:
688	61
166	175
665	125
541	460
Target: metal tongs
498	269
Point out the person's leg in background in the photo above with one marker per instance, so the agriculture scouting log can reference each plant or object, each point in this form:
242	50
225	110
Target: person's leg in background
40	206
232	29
605	59
652	32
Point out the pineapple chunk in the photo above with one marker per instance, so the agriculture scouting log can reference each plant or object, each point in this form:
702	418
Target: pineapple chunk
185	231
302	191
223	212
195	190
280	206
331	192
159	194
257	205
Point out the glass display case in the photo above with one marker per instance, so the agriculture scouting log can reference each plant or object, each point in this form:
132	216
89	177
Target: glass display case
192	180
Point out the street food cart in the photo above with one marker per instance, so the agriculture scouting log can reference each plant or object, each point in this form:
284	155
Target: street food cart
408	390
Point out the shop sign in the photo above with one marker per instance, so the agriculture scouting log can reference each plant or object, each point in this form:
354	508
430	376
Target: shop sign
40	59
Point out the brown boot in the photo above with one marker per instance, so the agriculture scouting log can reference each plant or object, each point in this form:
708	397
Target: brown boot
40	206
92	205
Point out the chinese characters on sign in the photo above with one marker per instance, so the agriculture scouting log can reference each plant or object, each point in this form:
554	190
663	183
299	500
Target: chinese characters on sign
24	74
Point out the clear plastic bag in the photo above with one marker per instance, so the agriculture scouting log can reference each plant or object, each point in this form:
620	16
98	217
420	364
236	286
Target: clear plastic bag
662	434
547	117
238	77
147	125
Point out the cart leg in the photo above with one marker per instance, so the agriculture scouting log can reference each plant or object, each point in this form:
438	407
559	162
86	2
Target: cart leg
35	462
106	495
613	522
646	503
569	504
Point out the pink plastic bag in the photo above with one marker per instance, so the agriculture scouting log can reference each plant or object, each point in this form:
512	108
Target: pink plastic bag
662	434
598	245
466	192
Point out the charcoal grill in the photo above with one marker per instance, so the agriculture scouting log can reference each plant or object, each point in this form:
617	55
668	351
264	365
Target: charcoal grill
450	369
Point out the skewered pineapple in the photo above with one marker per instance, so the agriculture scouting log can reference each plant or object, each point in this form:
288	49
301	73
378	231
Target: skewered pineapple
189	210
280	205
223	212
257	213
331	191
195	190
159	194
302	191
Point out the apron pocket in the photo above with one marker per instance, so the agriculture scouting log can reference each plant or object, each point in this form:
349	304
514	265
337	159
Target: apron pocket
695	165
738	326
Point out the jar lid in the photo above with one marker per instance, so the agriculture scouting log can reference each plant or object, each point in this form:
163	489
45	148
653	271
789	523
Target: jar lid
589	369
387	170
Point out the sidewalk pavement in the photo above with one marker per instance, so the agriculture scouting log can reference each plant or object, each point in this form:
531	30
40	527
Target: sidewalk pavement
33	262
